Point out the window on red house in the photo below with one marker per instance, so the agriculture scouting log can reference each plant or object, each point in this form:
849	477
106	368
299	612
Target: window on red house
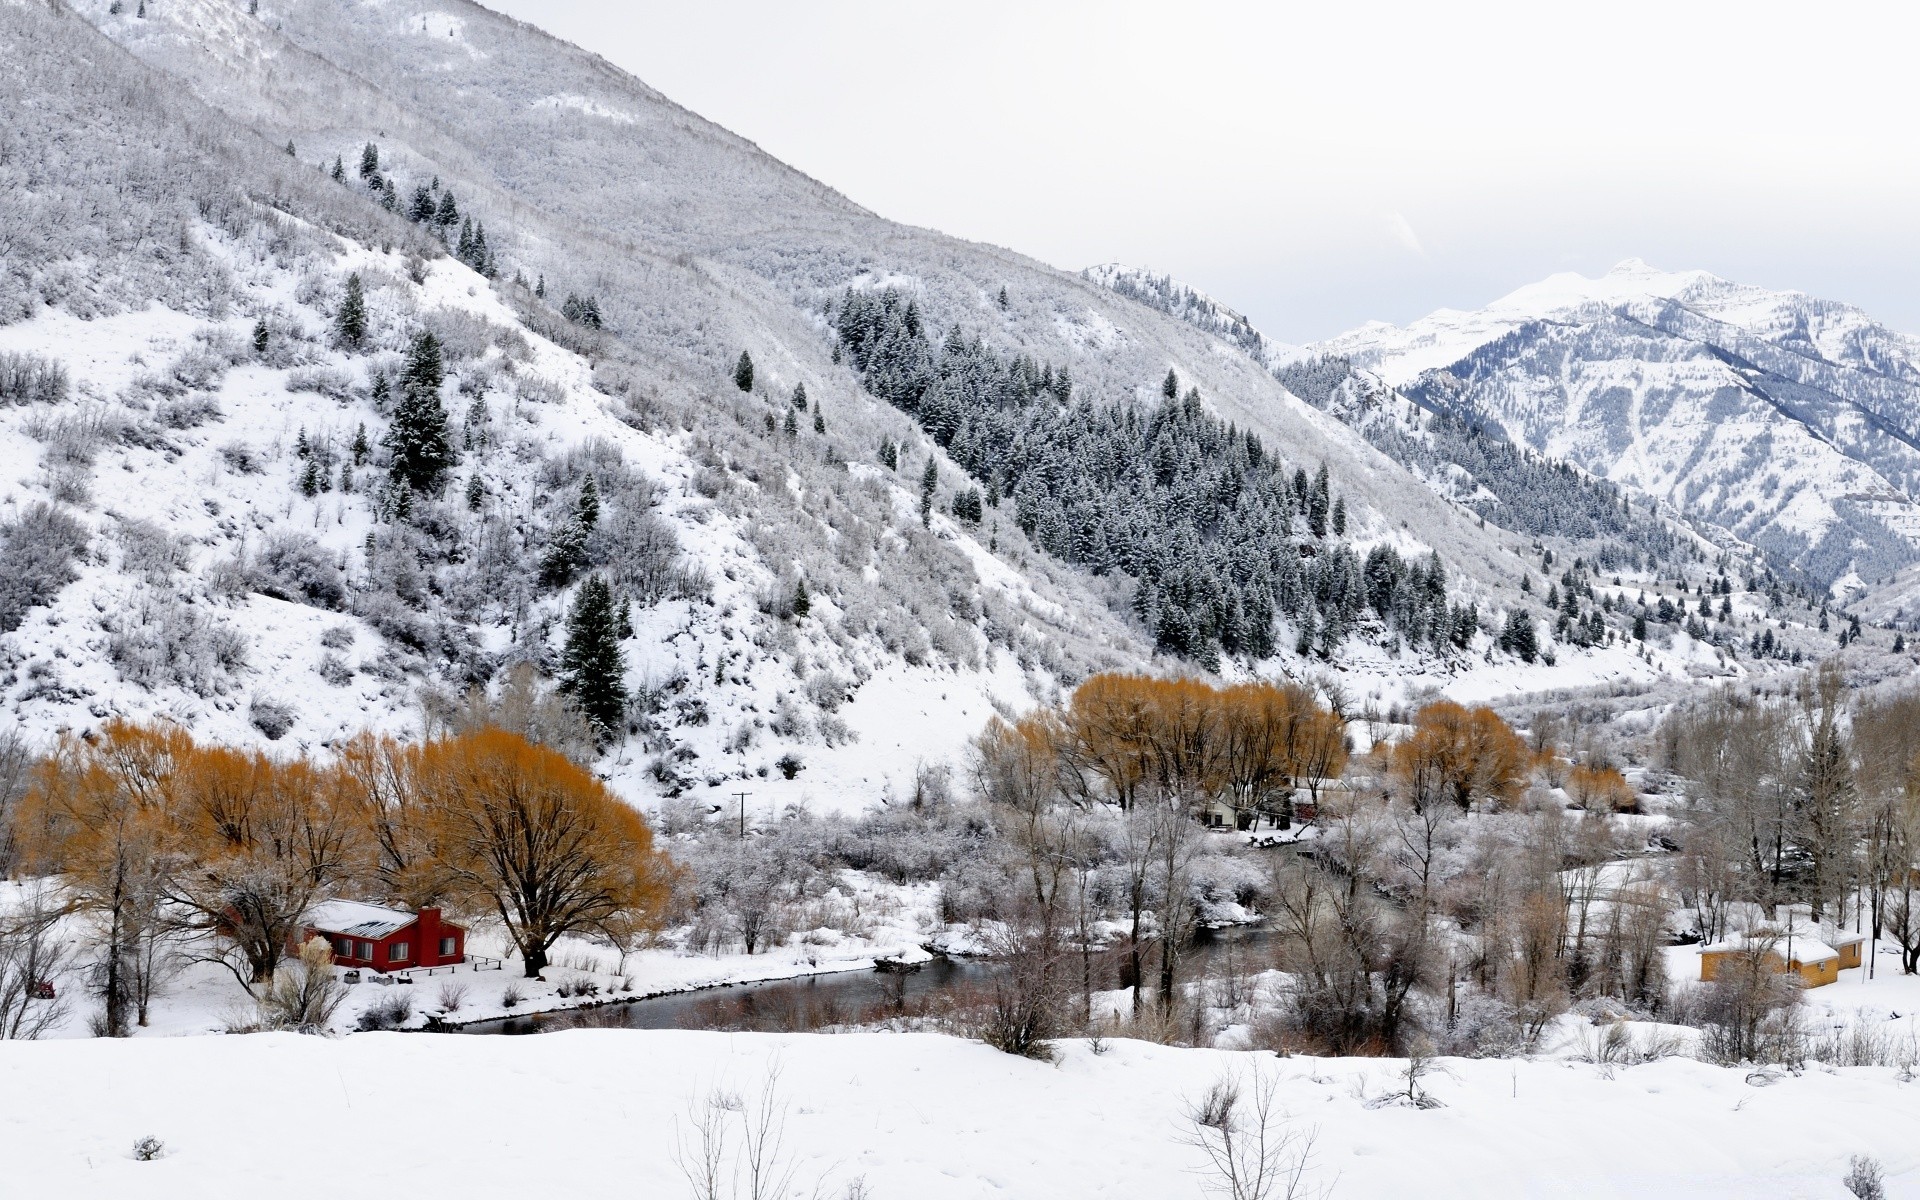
447	947
343	947
366	951
397	952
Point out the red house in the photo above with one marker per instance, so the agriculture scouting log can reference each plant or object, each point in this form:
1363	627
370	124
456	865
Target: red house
369	937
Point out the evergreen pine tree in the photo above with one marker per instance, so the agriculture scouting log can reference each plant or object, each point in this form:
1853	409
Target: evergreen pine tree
540	288
889	454
260	336
592	668
389	198
370	163
1170	388
586	509
743	372
1340	517
339	172
448	212
291	153
566	554
623	624
590	312
421	207
1640	627
802	603
929	480
350	323
792	424
1003	295
346	477
800	396
360	447
310	478
418	438
1899	643
463	249
476	492
819	420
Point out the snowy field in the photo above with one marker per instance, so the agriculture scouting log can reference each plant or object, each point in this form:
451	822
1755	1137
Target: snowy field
594	1112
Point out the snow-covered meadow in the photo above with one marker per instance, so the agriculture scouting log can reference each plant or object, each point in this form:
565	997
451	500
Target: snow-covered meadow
911	1115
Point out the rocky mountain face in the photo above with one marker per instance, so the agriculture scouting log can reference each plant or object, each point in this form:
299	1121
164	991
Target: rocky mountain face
1791	421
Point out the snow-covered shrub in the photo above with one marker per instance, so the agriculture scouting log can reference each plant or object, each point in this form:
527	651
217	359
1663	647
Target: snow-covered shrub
789	764
334	670
453	994
150	551
168	642
271	717
198	368
331	382
32	379
788	721
337	637
303	994
511	995
389	1012
148	1148
241	458
292	566
38	548
187	412
465	335
827	691
393	620
75	435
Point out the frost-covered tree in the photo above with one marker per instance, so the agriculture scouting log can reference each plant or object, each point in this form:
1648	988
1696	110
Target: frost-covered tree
418	438
592	667
743	372
370	162
350	322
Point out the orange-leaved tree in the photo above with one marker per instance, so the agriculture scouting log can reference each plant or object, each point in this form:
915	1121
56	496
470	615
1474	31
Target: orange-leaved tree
1600	788
98	813
522	830
1461	755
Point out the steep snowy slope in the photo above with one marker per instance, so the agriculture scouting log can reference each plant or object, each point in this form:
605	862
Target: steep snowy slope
211	537
1793	421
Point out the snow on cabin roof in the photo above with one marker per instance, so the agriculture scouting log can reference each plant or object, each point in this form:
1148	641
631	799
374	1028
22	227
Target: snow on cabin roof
360	920
1804	949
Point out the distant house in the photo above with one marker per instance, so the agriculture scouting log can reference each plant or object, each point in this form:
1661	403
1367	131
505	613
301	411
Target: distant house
374	938
1816	962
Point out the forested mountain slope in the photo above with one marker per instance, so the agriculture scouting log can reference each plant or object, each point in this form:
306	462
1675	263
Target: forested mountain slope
361	353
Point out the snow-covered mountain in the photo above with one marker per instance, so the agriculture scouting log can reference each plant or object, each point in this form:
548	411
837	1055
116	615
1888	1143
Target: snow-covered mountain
195	526
1196	308
1791	421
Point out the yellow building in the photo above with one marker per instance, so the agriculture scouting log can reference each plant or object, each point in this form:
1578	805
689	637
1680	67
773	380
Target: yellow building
1816	963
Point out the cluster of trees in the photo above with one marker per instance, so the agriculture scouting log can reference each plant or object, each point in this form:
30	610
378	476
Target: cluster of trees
1811	797
1222	539
174	848
431	206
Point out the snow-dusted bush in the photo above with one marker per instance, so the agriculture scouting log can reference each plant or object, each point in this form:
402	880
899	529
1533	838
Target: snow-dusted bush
242	459
389	1012
331	382
334	670
292	566
38	548
827	691
465	335
150	551
168	642
271	717
32	379
75	435
187	412
337	637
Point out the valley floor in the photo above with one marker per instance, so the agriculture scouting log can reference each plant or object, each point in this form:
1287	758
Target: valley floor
916	1115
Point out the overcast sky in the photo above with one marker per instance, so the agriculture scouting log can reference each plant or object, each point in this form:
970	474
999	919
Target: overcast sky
1317	166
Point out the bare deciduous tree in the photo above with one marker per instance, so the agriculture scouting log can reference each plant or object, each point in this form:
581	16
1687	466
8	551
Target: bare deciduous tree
1252	1152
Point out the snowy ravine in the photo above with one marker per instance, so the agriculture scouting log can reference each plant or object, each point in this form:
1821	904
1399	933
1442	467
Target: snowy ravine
602	1112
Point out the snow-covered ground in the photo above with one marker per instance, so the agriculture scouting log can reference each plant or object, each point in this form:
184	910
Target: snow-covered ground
600	1112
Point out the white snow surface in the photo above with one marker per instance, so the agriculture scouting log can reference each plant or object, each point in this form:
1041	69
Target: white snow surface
920	1115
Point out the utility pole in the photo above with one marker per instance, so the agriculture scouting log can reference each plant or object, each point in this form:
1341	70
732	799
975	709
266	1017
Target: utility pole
742	798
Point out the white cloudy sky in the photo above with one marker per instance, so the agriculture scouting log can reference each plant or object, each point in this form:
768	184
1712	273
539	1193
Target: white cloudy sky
1326	164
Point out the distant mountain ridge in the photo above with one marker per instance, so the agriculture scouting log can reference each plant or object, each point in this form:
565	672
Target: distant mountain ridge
1789	421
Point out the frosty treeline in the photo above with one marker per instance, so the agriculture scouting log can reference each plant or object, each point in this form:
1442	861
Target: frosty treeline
1222	538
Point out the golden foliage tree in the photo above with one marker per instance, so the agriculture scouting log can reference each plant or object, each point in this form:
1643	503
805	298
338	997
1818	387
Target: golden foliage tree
1460	754
523	831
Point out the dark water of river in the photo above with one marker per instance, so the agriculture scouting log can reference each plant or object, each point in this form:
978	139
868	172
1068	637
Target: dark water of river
856	997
